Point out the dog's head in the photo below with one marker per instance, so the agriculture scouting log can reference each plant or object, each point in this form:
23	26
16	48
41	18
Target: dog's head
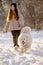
23	40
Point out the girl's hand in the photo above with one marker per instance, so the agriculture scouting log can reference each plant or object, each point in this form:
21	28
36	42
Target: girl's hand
18	24
6	27
5	31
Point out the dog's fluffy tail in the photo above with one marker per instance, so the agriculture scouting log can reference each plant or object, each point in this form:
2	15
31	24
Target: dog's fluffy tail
26	29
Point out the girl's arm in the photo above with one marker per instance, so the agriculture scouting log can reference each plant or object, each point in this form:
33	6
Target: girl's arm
6	27
21	19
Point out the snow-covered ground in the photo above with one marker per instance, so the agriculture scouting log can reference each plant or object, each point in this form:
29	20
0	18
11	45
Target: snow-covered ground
34	56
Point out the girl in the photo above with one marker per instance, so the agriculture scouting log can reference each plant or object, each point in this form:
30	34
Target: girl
14	22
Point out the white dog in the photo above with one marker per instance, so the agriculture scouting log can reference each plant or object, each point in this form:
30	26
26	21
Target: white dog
25	39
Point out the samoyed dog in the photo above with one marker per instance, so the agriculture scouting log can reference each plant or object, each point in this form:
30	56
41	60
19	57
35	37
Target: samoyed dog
25	39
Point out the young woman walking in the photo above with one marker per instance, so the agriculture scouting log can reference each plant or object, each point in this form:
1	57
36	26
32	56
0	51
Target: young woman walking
14	22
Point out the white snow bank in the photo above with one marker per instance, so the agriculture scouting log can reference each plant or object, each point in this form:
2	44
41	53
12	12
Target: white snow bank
34	56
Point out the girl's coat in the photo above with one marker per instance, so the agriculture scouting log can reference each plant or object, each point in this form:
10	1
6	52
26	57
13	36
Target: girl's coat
15	25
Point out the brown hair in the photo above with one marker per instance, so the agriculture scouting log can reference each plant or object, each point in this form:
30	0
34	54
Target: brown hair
10	13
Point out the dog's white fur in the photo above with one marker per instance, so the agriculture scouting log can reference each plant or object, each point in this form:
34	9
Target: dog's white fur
25	39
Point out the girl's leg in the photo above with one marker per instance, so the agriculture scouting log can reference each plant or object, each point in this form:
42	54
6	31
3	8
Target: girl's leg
14	37
17	35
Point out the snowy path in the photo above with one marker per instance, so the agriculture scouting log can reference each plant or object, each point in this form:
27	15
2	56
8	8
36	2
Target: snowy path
10	57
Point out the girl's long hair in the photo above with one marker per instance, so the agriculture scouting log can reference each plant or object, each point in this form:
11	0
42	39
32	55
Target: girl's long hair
10	13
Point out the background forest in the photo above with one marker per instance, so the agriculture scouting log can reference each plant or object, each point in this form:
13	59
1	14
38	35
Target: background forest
32	11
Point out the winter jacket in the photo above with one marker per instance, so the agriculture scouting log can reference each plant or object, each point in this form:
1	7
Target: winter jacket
15	25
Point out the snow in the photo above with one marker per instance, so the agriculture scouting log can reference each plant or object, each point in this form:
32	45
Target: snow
34	56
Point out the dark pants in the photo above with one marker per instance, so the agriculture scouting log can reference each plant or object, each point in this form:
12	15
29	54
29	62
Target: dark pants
15	34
